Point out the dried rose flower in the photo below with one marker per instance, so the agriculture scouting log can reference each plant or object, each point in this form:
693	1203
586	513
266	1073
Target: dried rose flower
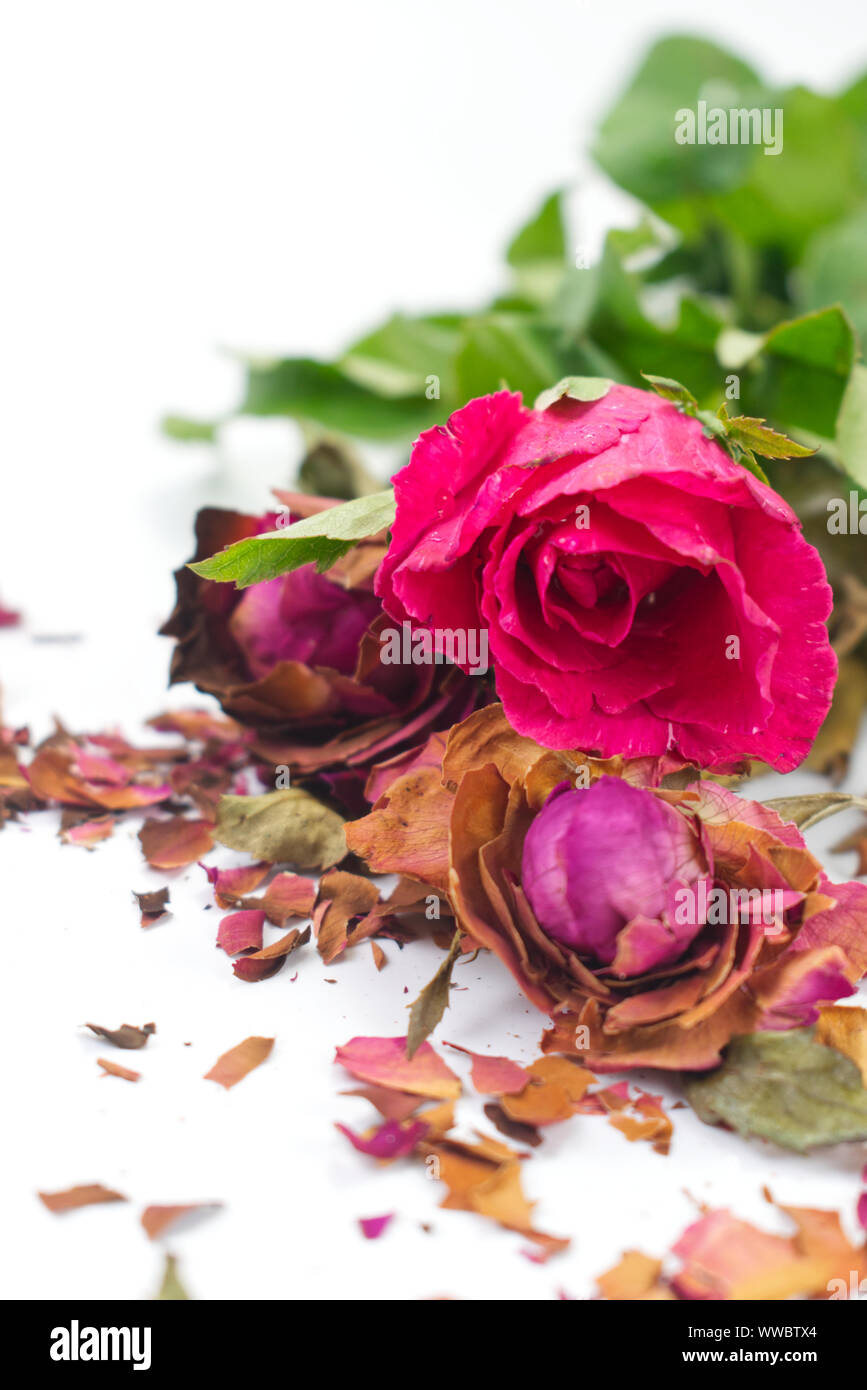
652	920
299	658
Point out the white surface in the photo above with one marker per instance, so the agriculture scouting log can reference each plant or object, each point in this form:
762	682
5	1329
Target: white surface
186	176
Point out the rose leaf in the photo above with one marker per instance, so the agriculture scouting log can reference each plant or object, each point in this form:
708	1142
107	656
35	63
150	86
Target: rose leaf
786	1087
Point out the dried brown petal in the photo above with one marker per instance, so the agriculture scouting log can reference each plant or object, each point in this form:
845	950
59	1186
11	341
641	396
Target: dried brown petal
232	1066
127	1035
88	1195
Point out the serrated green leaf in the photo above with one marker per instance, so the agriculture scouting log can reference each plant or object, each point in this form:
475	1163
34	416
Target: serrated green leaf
320	539
433	1001
283	827
754	435
785	1087
577	388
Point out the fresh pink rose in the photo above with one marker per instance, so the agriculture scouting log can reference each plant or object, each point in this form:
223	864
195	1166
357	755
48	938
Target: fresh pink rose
642	592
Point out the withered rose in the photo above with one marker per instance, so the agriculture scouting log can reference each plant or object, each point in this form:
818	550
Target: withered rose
299	658
659	919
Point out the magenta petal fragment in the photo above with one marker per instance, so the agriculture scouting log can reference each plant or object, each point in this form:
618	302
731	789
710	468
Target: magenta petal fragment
372	1227
241	931
391	1140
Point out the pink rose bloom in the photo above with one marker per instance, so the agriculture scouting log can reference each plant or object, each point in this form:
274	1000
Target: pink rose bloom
642	592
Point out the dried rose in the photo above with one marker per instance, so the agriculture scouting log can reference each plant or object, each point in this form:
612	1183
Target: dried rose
299	658
654	923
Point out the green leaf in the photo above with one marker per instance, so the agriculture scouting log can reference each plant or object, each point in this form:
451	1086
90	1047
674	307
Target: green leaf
543	238
754	435
834	269
537	254
186	431
851	438
433	1001
319	539
785	1087
309	390
814	181
284	827
680	346
400	358
636	142
577	388
503	350
672	390
801	373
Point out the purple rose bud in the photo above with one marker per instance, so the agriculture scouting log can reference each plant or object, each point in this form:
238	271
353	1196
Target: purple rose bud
597	859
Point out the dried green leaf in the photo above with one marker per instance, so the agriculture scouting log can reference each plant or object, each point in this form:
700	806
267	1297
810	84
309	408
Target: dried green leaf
171	1288
804	811
785	1087
283	827
433	1001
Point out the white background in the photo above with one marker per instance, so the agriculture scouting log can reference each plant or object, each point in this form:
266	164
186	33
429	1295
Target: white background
179	179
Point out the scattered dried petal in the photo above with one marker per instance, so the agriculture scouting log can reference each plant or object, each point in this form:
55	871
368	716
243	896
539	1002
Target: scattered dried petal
156	1220
232	1066
389	1140
384	1062
127	1035
88	1195
114	1069
373	1227
174	843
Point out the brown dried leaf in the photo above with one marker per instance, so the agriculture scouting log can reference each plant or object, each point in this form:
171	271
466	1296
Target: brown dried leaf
427	1010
